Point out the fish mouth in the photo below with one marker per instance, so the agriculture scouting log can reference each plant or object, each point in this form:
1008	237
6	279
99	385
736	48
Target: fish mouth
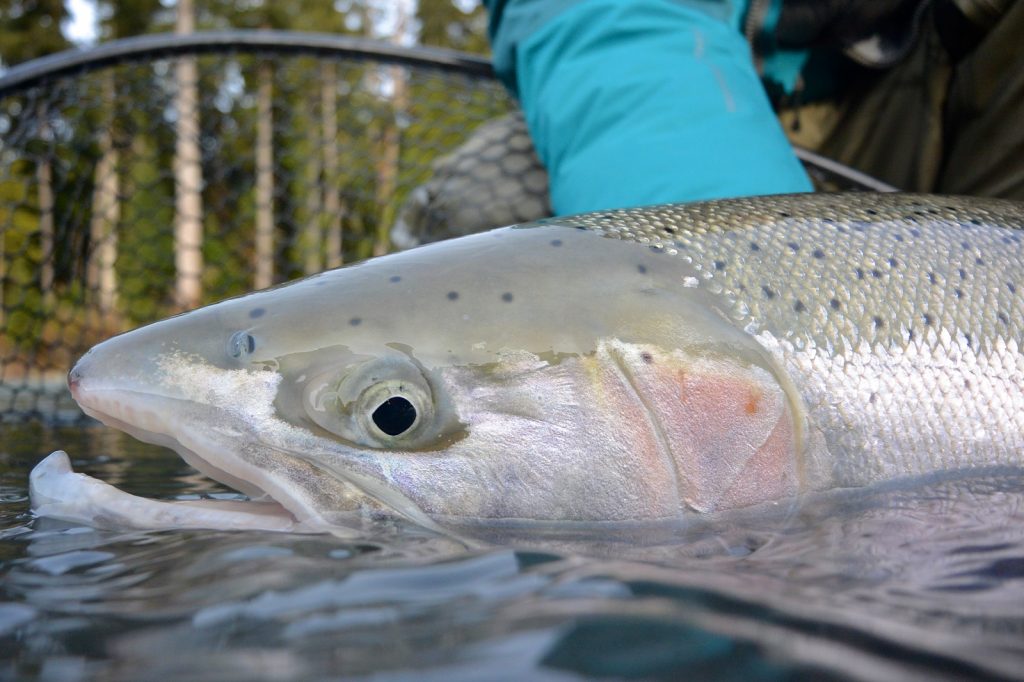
285	493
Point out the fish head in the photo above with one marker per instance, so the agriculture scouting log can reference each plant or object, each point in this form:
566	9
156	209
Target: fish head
543	374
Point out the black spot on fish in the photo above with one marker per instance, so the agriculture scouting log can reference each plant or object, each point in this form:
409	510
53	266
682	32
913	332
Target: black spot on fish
910	219
965	245
898	237
927	319
893	263
453	295
834	303
958	293
783	214
979	261
799	306
860	273
647	357
794	246
878	322
257	312
719	265
768	293
873	397
1002	318
914	232
754	246
962	273
910	335
642	269
656	248
556	242
670	230
968	339
975	221
395	278
507	297
931	277
876	273
967	384
1012	287
355	321
871	211
819	254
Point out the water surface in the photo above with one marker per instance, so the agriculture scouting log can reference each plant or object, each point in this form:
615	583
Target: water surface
913	580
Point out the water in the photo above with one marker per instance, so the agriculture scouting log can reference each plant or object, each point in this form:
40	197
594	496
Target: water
908	581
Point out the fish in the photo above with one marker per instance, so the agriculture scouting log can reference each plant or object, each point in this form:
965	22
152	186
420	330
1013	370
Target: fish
634	366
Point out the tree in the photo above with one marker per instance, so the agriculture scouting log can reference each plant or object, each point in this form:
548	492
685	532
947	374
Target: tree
31	29
188	174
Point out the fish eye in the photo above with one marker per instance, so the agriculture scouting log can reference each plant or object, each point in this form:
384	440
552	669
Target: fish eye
395	416
386	402
390	410
240	344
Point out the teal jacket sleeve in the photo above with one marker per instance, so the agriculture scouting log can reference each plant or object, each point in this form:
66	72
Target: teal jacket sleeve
641	102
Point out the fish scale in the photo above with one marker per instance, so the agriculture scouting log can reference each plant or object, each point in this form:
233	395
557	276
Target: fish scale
899	316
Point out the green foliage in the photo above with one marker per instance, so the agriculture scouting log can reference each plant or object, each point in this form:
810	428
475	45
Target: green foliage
389	122
31	29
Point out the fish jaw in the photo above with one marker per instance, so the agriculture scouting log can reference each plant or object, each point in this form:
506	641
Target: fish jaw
183	405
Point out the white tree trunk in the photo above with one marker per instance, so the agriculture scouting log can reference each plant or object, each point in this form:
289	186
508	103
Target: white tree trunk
332	185
188	174
101	276
311	239
389	156
265	178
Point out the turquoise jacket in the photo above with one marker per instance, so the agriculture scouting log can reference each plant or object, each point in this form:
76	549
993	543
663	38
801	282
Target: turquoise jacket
634	102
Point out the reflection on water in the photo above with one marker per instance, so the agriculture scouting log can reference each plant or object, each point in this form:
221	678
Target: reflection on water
922	581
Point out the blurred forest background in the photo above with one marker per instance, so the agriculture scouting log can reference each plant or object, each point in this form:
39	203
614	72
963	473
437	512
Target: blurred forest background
155	185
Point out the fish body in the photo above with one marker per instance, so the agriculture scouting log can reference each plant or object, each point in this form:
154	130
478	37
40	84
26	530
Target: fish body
620	366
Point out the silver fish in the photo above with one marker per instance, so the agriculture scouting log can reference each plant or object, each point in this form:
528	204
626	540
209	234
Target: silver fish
625	366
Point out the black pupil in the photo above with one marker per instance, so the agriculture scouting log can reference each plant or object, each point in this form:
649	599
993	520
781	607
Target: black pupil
394	416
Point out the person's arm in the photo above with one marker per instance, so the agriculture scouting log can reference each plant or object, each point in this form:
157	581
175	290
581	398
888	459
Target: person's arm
641	102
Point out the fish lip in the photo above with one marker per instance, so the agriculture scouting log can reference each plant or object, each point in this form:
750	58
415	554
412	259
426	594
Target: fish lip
374	495
109	405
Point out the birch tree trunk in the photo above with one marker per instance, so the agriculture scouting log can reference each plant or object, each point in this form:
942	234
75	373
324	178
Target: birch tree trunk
188	174
390	144
312	229
332	185
265	178
101	276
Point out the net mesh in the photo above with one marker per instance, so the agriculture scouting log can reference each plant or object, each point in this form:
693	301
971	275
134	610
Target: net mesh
132	191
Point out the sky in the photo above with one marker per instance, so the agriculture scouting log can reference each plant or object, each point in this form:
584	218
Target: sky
81	26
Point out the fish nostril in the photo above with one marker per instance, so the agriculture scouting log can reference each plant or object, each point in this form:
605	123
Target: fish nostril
75	377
